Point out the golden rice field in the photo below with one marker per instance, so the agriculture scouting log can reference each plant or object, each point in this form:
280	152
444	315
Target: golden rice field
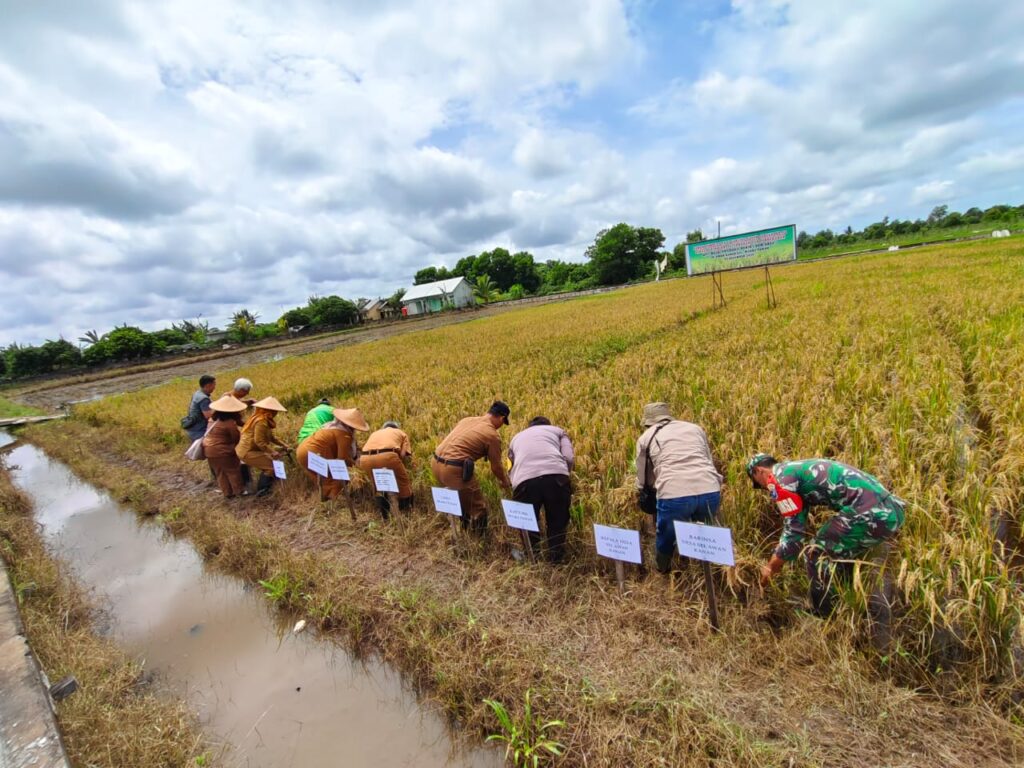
909	365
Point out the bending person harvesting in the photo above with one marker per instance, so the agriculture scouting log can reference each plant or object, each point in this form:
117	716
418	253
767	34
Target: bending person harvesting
867	515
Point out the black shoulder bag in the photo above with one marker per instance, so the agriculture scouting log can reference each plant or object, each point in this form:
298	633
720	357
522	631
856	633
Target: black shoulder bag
647	497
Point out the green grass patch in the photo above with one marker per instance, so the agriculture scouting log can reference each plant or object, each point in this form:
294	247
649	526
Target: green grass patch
11	410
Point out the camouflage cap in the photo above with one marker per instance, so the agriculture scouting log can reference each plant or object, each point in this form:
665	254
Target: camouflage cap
756	459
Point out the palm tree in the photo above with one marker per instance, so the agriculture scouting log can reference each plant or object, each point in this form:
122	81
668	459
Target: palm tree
485	290
90	337
243	323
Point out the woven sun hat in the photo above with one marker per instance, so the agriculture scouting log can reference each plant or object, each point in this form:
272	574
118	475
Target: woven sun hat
270	404
656	412
351	417
228	404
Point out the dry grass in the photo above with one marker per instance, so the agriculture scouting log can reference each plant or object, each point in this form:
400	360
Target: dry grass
114	719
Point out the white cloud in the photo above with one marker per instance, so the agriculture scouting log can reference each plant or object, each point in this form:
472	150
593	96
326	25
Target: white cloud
932	192
176	157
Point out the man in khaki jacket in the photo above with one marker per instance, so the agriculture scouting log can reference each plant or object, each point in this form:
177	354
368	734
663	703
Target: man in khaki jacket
674	458
473	438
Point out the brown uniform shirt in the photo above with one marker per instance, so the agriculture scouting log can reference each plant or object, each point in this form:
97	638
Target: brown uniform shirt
474	438
332	443
389	439
221	439
260	438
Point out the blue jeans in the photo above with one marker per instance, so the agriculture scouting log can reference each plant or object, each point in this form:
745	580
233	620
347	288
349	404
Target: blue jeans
701	508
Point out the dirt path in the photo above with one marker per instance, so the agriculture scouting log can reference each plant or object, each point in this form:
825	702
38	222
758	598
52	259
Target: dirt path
50	395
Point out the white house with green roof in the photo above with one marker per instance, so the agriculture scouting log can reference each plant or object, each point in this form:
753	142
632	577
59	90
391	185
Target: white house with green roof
433	297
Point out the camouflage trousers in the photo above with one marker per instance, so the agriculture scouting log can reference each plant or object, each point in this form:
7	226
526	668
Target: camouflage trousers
849	538
843	539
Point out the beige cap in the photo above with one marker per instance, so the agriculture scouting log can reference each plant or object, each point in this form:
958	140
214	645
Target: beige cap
655	412
269	404
351	417
228	404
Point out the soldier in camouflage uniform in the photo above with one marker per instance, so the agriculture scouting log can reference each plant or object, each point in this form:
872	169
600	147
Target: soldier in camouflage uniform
867	515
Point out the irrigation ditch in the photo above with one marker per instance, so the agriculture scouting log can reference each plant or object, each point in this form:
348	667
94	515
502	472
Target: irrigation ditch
264	694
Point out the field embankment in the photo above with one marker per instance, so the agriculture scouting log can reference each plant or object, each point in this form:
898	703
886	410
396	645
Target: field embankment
906	365
114	719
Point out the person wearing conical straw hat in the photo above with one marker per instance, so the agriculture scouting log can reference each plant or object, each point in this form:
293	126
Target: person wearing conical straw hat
334	440
258	446
219	445
389	448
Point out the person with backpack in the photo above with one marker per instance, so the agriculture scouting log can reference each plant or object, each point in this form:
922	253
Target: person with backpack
195	421
676	478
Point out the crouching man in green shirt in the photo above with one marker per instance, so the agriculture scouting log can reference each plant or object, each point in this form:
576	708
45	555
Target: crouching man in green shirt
867	514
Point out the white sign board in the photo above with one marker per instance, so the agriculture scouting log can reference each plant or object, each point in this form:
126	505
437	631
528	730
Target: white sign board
617	543
705	542
385	480
317	464
339	469
447	501
279	470
519	515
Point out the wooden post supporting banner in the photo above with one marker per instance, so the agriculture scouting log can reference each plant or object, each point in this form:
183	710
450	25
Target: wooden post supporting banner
769	289
620	576
717	295
455	530
709	585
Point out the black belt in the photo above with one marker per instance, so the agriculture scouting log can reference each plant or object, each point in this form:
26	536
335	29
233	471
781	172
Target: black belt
449	462
380	450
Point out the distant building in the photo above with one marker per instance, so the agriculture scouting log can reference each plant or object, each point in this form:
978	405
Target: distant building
378	310
433	297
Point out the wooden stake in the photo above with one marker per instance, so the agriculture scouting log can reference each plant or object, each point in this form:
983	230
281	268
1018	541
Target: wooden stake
528	546
709	586
455	530
351	503
717	295
620	576
769	289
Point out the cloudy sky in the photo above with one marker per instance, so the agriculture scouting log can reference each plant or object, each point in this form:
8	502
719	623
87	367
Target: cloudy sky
167	160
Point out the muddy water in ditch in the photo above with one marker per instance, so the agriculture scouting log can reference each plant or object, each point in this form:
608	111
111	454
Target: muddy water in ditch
274	698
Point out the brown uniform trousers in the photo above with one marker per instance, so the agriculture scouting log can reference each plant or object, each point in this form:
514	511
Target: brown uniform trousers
219	447
474	505
256	446
385	449
472	438
389	460
329	443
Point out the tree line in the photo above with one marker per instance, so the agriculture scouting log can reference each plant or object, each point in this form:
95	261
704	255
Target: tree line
940	218
619	254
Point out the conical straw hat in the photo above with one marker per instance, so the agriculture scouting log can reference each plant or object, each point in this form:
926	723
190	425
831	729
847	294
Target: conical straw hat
228	404
270	404
351	417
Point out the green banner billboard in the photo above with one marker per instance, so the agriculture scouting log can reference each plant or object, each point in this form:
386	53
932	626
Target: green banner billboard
751	249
